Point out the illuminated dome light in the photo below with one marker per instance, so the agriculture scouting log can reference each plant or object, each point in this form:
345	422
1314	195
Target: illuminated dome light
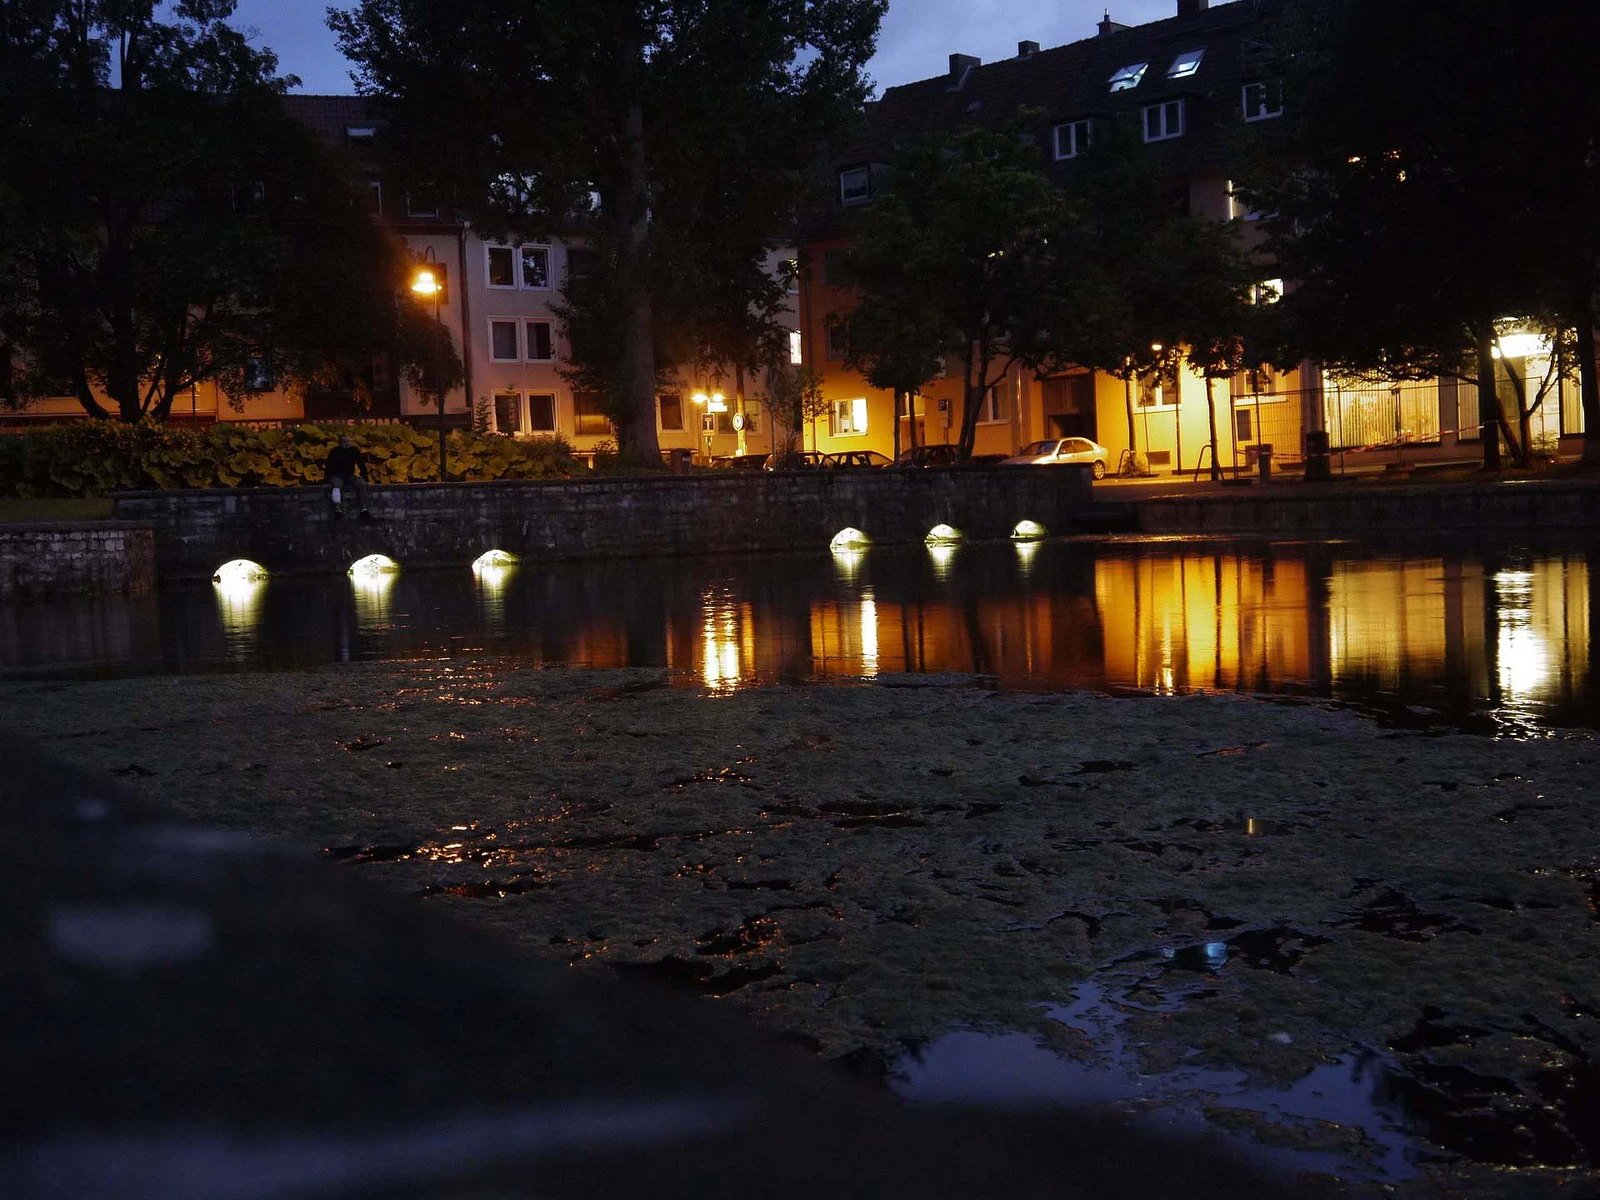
373	564
1027	531
239	570
943	535
495	558
849	539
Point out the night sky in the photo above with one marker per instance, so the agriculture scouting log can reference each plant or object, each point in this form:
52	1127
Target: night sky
917	39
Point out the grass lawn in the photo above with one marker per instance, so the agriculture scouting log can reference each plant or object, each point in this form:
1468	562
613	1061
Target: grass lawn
14	511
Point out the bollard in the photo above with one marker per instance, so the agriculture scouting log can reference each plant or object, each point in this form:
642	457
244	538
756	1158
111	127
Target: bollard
1319	464
1264	462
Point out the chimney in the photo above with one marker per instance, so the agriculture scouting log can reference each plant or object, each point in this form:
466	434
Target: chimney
1027	49
1109	26
1192	8
960	64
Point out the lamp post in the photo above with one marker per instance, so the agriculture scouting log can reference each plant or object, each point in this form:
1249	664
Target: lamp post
714	402
428	283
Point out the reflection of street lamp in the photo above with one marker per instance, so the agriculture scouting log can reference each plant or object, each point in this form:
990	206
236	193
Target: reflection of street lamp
428	283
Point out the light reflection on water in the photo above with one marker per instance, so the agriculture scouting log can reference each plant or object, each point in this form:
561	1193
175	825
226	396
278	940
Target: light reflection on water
1468	632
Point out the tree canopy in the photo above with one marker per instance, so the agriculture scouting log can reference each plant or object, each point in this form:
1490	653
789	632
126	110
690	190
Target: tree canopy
1439	178
665	134
164	223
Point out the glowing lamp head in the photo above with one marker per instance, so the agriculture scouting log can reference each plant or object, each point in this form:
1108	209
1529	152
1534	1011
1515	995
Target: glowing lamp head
849	539
1028	531
943	535
701	398
425	282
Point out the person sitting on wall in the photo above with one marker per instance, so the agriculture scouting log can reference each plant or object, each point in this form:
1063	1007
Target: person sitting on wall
346	468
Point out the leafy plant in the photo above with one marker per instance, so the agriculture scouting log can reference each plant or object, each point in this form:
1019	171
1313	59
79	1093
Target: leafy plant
91	458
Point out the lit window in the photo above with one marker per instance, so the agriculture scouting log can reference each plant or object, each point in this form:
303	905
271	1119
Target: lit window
1072	139
540	346
1262	101
502	267
541	413
536	267
1163	121
796	357
503	341
849	417
1268	291
1157	389
1128	77
1186	64
855	186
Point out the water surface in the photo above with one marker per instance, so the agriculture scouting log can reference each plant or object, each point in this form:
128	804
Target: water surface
1501	638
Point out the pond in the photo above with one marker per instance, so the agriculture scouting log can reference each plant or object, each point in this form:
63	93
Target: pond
1498	639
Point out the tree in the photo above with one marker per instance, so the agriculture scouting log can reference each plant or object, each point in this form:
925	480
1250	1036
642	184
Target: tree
957	256
896	338
795	396
658	131
1481	205
165	222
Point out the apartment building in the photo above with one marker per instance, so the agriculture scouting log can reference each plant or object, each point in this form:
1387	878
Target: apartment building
1192	88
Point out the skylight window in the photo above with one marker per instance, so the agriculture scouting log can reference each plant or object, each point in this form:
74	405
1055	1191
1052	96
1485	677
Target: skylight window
1129	77
1186	64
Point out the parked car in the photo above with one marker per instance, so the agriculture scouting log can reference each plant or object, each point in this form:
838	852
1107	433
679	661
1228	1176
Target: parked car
852	459
740	462
927	456
1062	450
800	460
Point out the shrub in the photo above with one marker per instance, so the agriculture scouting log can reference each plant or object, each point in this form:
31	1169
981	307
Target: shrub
91	458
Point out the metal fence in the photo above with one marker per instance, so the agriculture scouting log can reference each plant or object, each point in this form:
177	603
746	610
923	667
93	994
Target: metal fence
1380	416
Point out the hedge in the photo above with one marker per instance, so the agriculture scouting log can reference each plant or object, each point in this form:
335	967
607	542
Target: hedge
91	458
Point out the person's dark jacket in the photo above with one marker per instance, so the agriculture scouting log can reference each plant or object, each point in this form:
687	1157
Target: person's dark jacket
346	462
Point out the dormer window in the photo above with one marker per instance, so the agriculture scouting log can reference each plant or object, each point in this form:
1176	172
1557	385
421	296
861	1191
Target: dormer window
1162	122
1072	139
1186	64
855	185
1262	101
1128	77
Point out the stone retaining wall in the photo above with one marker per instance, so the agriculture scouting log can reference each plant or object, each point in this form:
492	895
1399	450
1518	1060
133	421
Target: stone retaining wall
58	559
1288	509
291	529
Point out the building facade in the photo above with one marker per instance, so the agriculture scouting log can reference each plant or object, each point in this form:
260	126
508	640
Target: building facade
1195	89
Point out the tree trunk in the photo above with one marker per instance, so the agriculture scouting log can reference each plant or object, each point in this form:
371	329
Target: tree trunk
1589	386
637	443
901	399
1488	403
971	399
1211	418
1133	433
738	408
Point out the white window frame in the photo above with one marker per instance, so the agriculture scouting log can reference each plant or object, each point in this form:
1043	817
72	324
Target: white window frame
489	249
1075	145
1165	109
520	263
844	416
1263	88
1168	402
683	416
1187	64
527	414
864	194
1125	79
990	408
516	335
527	340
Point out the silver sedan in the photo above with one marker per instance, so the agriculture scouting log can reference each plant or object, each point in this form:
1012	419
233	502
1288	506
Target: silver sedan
1063	450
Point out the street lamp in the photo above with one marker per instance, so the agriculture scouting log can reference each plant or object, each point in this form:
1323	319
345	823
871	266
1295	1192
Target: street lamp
712	402
427	283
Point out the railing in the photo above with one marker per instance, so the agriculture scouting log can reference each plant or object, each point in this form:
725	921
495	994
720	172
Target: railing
1380	416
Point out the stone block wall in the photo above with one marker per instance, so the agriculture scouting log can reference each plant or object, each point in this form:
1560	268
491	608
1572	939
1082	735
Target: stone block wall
60	559
418	525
